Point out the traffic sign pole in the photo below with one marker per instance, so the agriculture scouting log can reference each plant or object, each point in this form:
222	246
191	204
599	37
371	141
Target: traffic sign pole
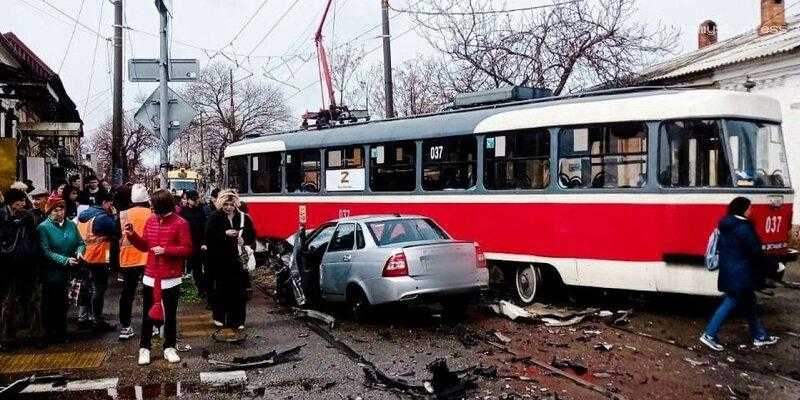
164	95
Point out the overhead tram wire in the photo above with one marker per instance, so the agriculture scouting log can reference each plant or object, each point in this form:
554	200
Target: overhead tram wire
81	24
273	27
244	26
44	12
71	37
507	11
94	55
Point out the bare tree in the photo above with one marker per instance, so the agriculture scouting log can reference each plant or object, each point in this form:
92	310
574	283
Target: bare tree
137	142
345	61
421	85
257	108
567	46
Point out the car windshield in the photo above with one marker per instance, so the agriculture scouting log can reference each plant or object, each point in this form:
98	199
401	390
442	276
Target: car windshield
758	155
396	231
183	185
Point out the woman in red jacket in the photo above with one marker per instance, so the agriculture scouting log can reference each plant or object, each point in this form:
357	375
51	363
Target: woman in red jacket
168	242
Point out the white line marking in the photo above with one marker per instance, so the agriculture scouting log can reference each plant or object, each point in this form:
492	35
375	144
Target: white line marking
223	378
74	386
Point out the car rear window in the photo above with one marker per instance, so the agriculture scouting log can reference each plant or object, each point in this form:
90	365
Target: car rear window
396	231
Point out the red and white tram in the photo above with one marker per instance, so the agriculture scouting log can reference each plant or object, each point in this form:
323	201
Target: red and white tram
613	190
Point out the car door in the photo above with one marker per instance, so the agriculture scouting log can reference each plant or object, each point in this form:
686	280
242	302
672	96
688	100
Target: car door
336	263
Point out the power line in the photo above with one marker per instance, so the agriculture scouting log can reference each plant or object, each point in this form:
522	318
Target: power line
45	12
273	27
249	20
72	36
94	55
95	31
507	11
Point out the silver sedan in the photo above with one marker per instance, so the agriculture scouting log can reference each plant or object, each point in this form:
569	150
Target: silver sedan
372	260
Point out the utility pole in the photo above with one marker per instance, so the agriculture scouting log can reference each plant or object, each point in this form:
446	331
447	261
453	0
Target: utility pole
117	152
164	96
388	86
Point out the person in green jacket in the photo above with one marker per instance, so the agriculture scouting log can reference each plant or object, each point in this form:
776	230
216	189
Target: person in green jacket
63	247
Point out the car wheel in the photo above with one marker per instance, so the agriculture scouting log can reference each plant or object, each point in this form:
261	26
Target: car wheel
525	283
358	304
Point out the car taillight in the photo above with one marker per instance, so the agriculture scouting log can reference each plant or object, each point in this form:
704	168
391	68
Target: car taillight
396	266
480	257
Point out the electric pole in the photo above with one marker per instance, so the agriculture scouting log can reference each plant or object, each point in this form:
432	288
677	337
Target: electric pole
164	96
233	113
388	86
117	152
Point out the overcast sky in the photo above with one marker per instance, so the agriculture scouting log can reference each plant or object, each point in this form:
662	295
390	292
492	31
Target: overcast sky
212	24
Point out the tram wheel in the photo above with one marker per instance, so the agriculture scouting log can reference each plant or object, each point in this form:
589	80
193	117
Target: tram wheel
525	283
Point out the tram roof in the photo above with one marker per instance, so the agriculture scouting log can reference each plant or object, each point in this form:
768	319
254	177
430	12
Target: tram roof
592	108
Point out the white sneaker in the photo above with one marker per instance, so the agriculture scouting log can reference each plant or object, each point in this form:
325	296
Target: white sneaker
144	356
765	341
171	355
218	324
241	327
126	333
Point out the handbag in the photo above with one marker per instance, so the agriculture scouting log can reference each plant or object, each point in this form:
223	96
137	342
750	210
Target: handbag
247	256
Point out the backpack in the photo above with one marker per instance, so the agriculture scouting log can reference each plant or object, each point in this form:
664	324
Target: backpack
712	253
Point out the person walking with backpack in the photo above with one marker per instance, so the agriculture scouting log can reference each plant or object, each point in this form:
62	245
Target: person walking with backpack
132	261
98	227
168	242
18	253
742	267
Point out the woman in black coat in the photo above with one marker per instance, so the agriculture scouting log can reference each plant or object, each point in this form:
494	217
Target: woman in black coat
742	268
224	236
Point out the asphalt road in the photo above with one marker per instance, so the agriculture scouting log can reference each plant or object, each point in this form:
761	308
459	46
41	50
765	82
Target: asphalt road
655	356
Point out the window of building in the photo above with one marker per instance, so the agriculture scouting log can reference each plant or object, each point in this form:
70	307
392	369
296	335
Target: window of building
265	173
519	160
237	173
303	171
449	163
603	156
346	157
392	167
343	239
691	155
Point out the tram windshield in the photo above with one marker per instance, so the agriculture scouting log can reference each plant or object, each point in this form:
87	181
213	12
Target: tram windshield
758	156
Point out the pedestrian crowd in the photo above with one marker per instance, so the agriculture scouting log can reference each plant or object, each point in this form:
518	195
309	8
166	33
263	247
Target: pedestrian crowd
61	249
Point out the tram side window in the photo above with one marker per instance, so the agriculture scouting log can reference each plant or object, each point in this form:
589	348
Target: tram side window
519	160
603	156
449	163
237	173
392	167
690	154
265	173
303	171
345	157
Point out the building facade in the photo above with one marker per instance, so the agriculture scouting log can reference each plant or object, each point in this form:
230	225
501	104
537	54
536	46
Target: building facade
41	128
765	60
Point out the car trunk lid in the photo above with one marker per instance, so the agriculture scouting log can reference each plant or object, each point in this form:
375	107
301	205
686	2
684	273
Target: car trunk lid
455	258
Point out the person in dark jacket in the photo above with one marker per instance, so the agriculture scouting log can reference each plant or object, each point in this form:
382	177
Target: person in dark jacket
62	246
742	268
225	232
18	247
70	196
194	214
89	195
211	205
99	229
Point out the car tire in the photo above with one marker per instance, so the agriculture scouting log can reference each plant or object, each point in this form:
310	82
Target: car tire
524	281
358	304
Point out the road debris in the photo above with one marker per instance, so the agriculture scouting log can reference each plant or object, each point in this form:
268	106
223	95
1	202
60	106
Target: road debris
511	311
261	361
314	314
569	364
11	391
604	346
502	338
695	363
605	314
551	322
446	384
539	313
230	378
